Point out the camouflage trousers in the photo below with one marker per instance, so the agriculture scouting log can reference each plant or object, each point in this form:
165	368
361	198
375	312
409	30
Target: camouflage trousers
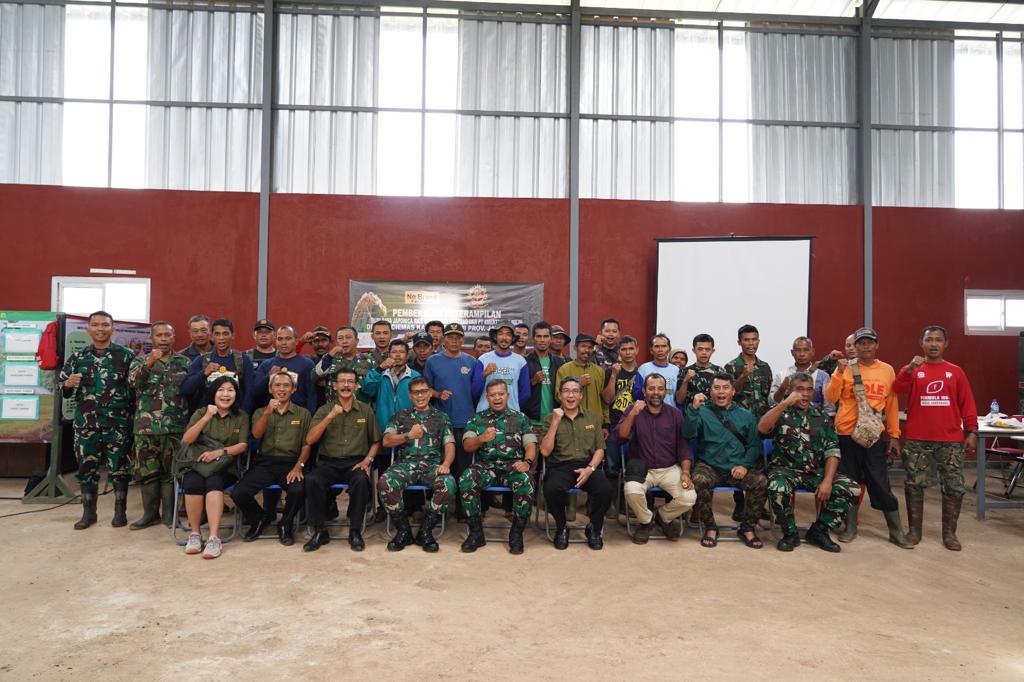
479	476
153	457
782	483
948	458
401	475
94	447
706	478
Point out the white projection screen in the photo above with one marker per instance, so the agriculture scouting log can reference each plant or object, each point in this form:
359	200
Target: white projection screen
717	285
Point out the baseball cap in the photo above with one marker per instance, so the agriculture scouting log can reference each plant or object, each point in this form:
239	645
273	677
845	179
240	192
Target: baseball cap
493	331
422	337
263	324
321	331
557	330
584	338
865	333
454	328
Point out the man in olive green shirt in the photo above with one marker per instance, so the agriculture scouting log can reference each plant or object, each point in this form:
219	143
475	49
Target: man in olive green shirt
573	448
590	375
349	438
283	426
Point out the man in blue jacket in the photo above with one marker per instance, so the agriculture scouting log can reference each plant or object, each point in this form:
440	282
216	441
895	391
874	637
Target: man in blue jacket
387	386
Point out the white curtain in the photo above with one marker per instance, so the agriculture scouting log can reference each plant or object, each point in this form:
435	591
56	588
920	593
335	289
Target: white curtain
31	65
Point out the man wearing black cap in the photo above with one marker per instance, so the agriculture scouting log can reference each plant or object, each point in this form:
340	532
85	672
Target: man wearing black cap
590	375
559	340
263	333
863	459
319	339
422	349
450	375
501	363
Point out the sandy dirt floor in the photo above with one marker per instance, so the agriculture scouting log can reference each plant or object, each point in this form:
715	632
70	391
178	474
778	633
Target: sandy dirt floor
116	604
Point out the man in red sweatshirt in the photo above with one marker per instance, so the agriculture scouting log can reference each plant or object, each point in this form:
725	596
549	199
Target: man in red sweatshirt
942	422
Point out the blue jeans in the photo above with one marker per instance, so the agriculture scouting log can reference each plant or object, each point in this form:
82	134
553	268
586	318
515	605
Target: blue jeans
615	452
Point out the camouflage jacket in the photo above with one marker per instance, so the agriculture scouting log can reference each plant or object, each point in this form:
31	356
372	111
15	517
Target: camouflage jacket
437	432
700	383
802	440
755	392
103	398
327	369
514	432
161	409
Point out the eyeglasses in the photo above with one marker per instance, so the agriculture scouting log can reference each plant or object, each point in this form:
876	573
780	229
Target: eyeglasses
421	391
572	391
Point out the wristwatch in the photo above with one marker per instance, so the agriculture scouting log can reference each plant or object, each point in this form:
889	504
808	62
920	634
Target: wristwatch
302	465
591	467
224	452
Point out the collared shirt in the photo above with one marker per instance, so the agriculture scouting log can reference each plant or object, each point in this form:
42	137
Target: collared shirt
160	408
231	429
701	381
286	433
657	439
576	439
191	352
802	440
592	401
389	391
606	357
350	434
821	379
719	447
513	433
437	432
755	392
329	366
103	396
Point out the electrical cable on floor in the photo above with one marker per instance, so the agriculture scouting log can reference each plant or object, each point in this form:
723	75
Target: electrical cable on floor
33	511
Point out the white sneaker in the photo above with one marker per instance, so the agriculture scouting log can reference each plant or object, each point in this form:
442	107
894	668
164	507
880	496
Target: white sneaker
213	548
194	544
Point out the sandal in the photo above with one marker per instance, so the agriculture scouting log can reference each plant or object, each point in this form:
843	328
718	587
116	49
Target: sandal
753	542
708	540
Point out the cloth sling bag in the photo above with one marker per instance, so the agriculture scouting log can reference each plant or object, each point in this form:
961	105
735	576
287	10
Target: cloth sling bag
187	458
869	422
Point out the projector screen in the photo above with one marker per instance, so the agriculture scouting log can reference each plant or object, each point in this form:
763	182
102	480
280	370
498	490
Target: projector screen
717	285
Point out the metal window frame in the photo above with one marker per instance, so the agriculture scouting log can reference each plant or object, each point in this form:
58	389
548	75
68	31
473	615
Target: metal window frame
998	294
58	282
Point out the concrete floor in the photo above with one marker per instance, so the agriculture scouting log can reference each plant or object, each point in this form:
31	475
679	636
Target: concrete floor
81	604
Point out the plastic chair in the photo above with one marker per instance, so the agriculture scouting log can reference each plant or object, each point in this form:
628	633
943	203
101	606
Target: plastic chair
427	494
766	449
542	506
300	514
504	525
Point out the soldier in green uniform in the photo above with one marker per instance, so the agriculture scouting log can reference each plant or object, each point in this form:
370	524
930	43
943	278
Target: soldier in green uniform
342	355
506	449
161	413
97	378
696	378
422	435
805	455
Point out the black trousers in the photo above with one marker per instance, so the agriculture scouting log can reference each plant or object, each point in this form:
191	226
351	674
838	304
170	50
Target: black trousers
868	466
268	471
462	461
560	477
329	471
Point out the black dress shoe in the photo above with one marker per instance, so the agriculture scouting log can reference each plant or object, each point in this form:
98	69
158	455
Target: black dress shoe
284	535
319	539
818	535
355	540
561	538
788	543
255	531
594	540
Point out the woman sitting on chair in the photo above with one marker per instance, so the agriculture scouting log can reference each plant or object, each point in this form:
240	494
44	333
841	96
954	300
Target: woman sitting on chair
217	434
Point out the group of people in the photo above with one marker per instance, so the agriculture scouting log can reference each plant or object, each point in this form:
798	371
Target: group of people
523	415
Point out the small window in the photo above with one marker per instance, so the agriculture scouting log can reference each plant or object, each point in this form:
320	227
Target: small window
125	298
994	312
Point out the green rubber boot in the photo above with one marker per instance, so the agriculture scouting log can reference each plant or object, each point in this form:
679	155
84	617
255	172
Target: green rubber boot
850	532
896	536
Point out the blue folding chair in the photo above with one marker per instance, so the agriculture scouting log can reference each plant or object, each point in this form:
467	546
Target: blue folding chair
766	448
427	494
653	493
343	522
182	525
541	507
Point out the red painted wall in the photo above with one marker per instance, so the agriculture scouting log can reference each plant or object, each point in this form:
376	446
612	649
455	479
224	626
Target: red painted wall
199	249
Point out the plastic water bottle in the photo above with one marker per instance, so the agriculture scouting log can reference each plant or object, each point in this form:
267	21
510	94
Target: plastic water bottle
993	409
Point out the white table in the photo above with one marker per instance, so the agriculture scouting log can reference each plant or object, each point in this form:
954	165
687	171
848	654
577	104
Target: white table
984	433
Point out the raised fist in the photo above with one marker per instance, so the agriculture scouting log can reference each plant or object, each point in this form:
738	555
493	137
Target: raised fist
73	380
416	432
699	400
638	407
490	434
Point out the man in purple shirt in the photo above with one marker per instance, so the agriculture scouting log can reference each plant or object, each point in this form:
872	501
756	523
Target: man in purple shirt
658	456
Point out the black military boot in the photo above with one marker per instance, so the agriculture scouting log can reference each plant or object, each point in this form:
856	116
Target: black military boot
403	533
150	492
476	538
425	538
168	491
120	504
817	535
88	506
915	513
950	515
788	542
515	535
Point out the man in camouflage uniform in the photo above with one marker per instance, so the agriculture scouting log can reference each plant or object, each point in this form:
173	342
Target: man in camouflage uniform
97	378
343	355
696	378
805	455
507	449
422	436
161	414
753	380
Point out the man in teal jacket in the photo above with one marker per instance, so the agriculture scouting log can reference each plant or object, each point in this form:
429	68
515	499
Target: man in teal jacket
387	386
730	455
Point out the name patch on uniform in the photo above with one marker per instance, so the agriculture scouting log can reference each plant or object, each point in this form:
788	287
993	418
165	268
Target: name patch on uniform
235	430
361	420
296	422
464	370
589	427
